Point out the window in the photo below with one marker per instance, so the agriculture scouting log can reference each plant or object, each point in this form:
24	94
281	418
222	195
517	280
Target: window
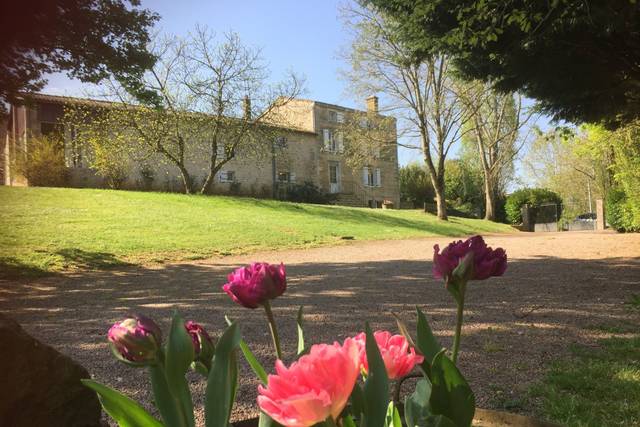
281	142
333	173
336	116
333	141
371	177
226	176
286	177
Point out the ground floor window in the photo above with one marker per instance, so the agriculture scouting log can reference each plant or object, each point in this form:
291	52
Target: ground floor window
227	176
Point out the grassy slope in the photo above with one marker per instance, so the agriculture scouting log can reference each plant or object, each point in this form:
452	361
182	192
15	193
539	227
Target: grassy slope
48	229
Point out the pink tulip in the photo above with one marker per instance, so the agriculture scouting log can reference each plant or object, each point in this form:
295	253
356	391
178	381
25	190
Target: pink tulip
253	285
135	340
487	262
399	359
314	388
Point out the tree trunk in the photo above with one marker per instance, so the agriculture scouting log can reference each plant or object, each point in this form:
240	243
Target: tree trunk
489	201
186	180
441	203
207	183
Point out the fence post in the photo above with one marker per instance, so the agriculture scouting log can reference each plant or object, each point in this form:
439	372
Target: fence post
600	219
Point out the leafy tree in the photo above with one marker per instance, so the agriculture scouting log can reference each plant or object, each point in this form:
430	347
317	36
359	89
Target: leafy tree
422	94
205	101
89	39
577	58
415	185
495	125
463	184
563	161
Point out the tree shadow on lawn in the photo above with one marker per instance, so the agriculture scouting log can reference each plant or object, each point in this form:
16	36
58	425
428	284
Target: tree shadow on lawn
63	259
364	216
514	326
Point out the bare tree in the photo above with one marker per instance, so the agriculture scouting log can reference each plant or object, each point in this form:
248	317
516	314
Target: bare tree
497	120
422	94
203	100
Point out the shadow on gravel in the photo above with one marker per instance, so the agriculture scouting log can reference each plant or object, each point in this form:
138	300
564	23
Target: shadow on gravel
515	325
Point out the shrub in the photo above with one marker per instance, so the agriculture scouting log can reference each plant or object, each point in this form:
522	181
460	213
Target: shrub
621	213
528	196
43	164
308	192
415	185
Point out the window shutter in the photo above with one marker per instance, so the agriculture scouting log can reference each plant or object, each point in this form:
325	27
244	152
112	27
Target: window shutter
365	175
326	134
340	117
292	177
340	139
378	181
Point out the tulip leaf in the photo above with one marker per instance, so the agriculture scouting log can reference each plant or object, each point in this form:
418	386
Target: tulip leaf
427	342
200	368
299	321
404	331
124	410
223	379
416	406
357	401
179	355
376	387
251	359
167	403
451	395
393	416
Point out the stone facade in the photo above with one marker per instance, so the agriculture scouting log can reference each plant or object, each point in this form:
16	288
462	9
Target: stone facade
308	150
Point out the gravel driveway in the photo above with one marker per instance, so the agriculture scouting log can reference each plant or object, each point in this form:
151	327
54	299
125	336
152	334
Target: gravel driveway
559	289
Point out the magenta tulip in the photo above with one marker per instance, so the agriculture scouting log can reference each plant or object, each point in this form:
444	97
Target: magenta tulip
136	340
255	284
487	262
202	343
313	389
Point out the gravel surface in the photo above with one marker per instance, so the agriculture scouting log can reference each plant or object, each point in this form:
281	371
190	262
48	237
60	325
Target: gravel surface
560	289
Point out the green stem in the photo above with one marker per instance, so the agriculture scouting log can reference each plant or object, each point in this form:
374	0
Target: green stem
273	328
168	404
459	319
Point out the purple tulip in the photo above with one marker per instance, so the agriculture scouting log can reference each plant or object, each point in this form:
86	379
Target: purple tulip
202	343
487	262
136	340
255	284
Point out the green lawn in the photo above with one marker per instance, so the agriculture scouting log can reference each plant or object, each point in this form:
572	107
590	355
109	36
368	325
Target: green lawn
51	229
596	388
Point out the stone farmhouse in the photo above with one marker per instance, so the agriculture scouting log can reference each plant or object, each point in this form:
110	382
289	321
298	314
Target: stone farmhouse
311	149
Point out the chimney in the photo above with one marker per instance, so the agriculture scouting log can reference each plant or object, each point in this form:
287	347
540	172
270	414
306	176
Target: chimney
372	104
246	104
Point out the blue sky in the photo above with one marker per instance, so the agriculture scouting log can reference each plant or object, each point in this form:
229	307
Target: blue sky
300	35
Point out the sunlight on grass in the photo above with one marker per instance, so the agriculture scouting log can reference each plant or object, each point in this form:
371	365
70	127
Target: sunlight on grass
51	229
597	388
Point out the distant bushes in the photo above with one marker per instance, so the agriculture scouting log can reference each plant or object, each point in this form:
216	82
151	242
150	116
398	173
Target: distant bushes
622	214
308	192
43	164
528	196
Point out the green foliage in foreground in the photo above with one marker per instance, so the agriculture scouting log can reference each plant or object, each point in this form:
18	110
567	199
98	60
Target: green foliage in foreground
50	229
596	388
